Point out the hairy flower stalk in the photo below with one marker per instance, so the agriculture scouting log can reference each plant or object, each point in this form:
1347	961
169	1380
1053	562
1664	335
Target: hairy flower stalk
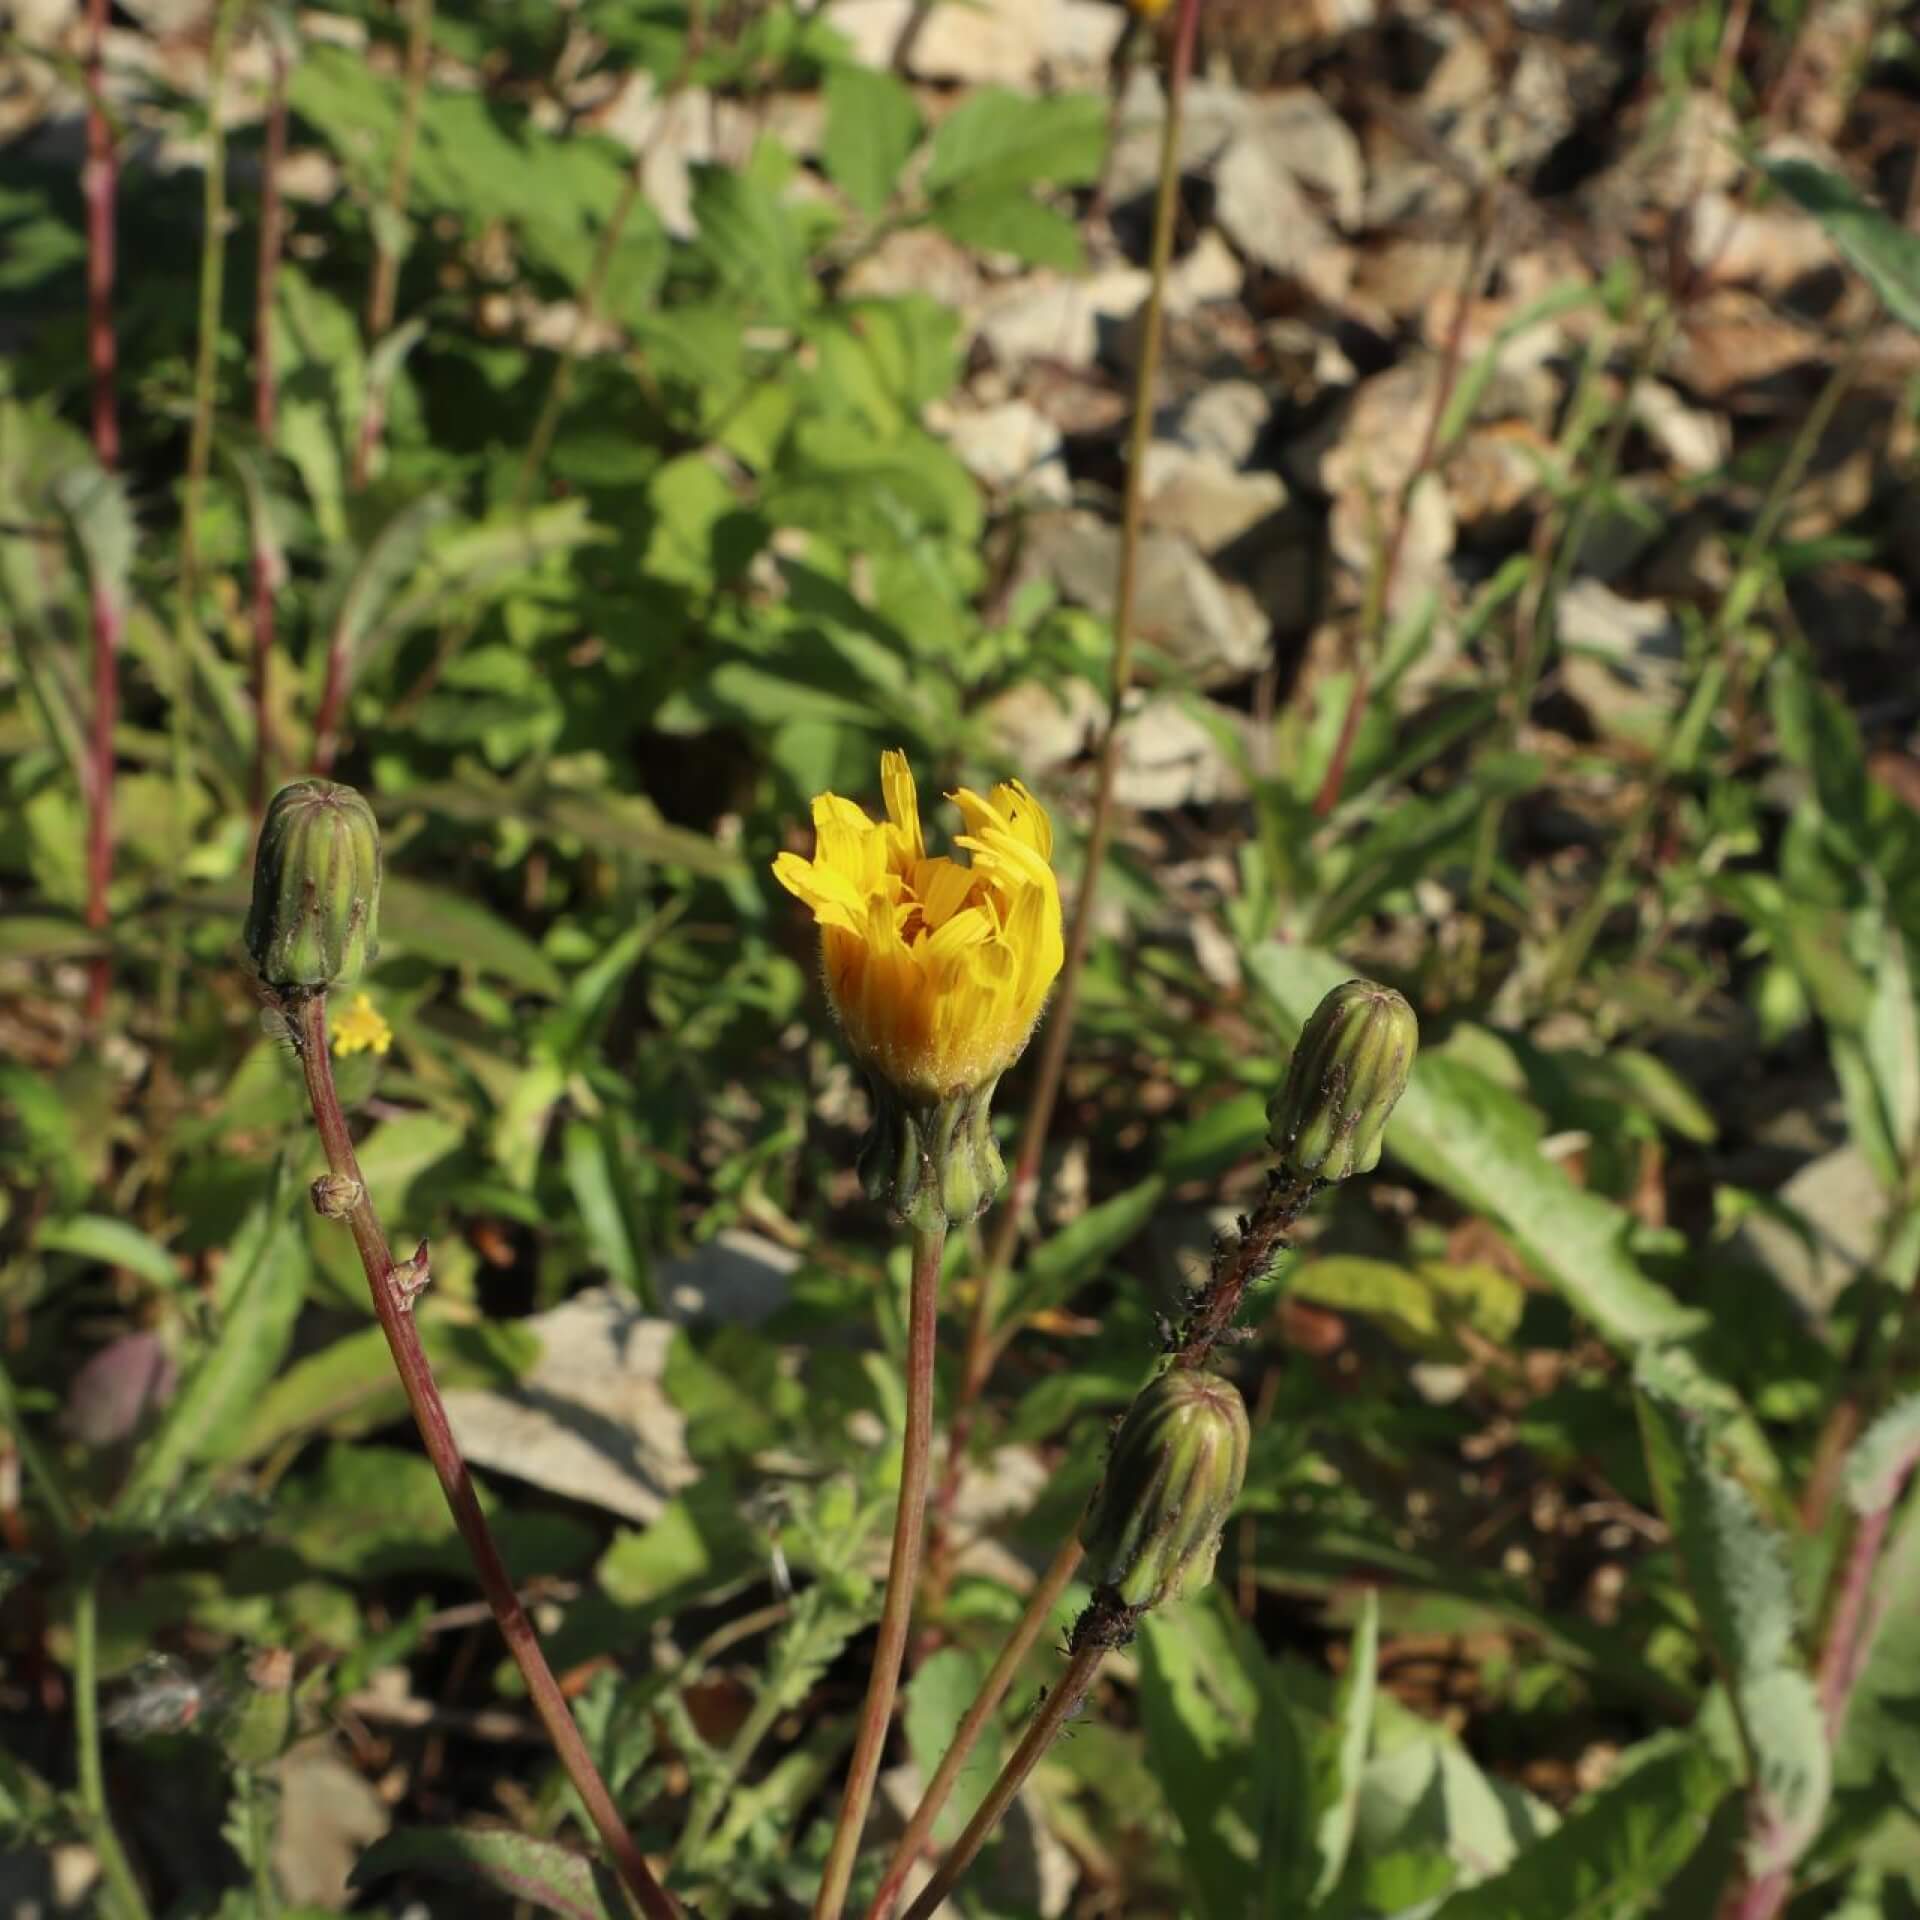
938	970
1179	1457
313	926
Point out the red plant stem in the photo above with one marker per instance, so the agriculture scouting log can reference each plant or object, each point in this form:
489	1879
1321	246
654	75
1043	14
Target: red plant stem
1852	1622
1040	1605
393	1308
903	1575
978	1363
105	614
264	410
1849	1628
1061	1705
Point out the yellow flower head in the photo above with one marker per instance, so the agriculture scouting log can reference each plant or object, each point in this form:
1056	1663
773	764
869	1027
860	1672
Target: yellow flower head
361	1029
938	969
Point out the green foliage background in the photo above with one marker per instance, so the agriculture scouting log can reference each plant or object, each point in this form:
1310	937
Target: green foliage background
1514	1421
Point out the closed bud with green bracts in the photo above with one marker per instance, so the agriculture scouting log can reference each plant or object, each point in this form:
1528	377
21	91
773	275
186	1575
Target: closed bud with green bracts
934	1162
256	1723
315	918
1346	1076
1175	1471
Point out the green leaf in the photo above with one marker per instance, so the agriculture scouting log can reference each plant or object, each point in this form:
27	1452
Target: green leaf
942	1690
1882	251
1793	1767
1342	1749
257	1316
1055	1269
1418	1306
1613	1857
872	126
1011	220
1200	1706
1480	1144
1883	1457
541	1873
446	927
1002	139
351	1388
1735	1562
1892	1044
112	1243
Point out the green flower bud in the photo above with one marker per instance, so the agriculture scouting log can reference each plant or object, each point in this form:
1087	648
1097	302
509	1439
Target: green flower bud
1175	1471
315	918
932	1161
1346	1075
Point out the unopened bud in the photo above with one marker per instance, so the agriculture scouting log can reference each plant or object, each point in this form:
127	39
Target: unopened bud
335	1195
1175	1471
315	918
1346	1076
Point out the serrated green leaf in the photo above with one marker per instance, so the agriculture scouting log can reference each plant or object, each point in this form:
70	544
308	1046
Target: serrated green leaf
1884	1457
1793	1768
540	1872
1735	1563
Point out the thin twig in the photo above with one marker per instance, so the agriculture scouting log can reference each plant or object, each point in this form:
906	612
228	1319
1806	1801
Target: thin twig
978	1362
264	414
391	1287
1039	1610
903	1575
101	179
384	291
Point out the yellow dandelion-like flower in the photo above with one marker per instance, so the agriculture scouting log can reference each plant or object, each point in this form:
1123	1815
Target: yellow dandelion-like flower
361	1029
937	968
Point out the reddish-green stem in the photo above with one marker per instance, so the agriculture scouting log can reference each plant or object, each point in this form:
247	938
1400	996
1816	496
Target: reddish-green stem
264	411
104	609
1039	1610
393	1309
903	1575
978	1363
1059	1707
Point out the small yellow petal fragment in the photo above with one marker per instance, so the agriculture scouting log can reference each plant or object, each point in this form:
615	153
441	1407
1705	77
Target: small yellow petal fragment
361	1029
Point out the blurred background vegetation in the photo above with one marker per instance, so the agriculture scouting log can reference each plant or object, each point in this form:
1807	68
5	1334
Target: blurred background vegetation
596	429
